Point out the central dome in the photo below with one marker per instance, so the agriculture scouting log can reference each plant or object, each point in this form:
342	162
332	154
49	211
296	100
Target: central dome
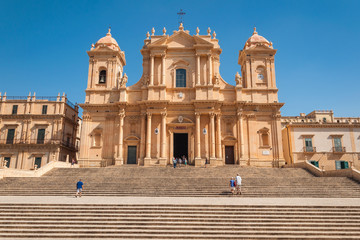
256	38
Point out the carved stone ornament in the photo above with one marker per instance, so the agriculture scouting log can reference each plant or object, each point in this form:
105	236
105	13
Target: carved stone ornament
180	119
123	80
146	80
204	131
216	79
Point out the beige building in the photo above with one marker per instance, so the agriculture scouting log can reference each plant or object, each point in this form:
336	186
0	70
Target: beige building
181	105
326	141
36	130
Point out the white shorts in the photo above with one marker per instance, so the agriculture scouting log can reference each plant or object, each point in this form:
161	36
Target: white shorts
79	190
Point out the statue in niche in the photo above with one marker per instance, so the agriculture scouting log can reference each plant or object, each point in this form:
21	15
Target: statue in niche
123	80
238	79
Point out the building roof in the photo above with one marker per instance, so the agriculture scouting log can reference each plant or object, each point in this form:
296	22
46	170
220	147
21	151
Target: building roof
109	41
256	39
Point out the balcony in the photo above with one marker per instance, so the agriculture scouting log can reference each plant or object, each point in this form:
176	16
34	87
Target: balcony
339	150
37	142
309	149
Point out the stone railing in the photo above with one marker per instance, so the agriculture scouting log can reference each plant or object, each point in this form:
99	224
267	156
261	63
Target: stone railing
11	172
349	172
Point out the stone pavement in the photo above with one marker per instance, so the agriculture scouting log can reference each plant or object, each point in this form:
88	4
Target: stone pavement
235	200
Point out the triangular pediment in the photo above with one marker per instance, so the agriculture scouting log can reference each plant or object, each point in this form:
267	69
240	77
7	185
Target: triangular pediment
181	39
103	48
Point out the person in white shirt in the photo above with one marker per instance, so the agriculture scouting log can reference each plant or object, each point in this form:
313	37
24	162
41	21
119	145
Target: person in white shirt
238	184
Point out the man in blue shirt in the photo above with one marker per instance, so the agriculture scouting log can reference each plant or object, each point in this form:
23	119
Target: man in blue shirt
232	185
79	188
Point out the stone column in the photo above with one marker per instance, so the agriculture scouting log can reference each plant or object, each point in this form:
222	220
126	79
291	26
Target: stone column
163	136
120	158
212	136
210	69
197	69
142	140
240	138
218	137
198	144
163	69
148	137
151	70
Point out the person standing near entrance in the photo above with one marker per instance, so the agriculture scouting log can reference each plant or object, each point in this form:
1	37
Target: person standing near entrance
174	162
238	184
79	188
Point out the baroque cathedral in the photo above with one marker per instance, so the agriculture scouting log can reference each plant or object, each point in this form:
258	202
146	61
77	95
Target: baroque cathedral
181	106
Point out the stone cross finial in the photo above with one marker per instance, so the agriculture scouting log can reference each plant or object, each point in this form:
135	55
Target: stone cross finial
209	31
214	35
164	31
147	35
197	31
152	31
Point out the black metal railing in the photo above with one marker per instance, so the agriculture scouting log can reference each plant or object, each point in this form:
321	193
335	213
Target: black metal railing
40	141
339	149
309	149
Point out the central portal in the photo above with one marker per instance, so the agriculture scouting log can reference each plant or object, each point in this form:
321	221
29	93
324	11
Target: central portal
180	145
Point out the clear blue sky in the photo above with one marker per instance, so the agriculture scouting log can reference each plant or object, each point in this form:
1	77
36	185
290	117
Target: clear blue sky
43	44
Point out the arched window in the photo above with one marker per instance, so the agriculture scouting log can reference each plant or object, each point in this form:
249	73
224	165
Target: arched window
102	76
180	78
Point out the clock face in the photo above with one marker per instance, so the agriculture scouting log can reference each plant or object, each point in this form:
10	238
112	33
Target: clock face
260	76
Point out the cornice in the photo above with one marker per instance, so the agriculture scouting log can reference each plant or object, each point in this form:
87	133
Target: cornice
317	125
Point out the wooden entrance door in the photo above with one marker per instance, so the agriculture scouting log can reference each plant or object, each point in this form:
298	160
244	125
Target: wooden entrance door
229	155
131	159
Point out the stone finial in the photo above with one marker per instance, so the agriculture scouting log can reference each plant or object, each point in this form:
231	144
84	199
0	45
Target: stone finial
214	35
164	31
5	94
109	32
152	31
255	32
181	27
271	44
147	35
29	94
197	31
34	94
92	46
209	31
63	94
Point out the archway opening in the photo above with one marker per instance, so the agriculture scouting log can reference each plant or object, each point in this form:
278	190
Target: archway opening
180	145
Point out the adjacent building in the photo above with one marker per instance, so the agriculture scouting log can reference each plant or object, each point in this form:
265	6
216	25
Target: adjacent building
37	130
326	141
181	105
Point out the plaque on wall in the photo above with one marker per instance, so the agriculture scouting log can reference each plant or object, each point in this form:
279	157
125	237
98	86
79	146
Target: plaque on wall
266	152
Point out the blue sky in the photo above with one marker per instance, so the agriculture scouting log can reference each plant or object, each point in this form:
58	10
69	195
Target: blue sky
43	44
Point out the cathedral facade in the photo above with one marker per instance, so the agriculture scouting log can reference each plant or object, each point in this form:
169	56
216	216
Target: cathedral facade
181	106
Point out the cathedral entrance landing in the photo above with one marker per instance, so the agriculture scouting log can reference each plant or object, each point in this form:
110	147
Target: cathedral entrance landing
181	145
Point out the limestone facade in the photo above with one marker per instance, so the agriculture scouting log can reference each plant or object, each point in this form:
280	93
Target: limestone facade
36	130
181	105
326	141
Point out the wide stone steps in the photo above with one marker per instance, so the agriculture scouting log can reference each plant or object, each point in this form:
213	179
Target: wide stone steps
101	221
185	182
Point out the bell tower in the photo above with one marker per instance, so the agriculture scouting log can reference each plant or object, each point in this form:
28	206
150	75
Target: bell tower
258	70
106	63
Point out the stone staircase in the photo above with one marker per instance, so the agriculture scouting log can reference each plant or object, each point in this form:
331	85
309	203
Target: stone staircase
186	182
86	221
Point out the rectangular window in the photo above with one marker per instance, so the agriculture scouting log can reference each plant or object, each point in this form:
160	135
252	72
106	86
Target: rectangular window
41	136
44	109
37	162
14	109
10	136
315	163
337	144
7	161
180	78
341	164
308	145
